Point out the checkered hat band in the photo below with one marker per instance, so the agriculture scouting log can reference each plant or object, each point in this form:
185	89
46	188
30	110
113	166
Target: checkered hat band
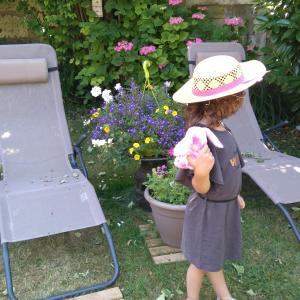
220	89
208	83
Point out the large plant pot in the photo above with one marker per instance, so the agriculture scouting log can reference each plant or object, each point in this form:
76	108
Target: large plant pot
168	219
140	176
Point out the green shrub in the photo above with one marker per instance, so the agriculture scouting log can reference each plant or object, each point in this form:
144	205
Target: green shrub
86	44
281	19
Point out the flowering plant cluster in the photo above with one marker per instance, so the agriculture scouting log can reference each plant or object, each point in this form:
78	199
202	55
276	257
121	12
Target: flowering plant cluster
139	123
162	180
159	31
235	29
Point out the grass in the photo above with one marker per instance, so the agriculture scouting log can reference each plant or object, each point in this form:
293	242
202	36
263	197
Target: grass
269	269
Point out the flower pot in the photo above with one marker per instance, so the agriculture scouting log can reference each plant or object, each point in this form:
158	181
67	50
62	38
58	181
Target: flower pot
168	219
140	176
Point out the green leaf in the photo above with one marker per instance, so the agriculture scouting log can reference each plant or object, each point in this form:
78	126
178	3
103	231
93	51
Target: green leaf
117	61
262	18
240	269
298	37
283	22
77	234
251	293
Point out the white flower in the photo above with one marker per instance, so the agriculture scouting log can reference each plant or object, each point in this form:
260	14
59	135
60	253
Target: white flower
96	91
107	96
86	122
118	86
109	141
98	143
167	84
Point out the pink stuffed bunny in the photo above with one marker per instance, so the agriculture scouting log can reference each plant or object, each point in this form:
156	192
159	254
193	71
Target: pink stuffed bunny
195	138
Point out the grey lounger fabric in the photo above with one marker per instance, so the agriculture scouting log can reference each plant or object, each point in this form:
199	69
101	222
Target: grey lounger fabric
40	194
279	174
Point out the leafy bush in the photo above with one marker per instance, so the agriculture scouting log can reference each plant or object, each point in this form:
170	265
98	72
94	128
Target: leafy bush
281	19
163	187
94	49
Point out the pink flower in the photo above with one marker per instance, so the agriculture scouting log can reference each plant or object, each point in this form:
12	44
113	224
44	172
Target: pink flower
171	152
175	20
250	48
147	49
175	2
198	16
237	21
191	42
123	46
161	66
202	8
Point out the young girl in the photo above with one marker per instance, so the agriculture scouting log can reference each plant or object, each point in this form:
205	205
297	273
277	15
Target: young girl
212	229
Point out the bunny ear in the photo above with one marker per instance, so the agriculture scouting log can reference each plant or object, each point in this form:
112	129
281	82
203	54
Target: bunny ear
211	136
181	148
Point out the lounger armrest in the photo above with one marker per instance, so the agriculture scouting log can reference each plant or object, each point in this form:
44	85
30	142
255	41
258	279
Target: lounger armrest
78	153
267	140
82	138
277	126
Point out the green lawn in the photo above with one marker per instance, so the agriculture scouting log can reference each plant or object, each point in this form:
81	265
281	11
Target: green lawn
270	268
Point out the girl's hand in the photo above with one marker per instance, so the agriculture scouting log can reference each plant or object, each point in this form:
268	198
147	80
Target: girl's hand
241	201
203	164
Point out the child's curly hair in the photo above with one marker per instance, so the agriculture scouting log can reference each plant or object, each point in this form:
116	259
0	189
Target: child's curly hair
215	110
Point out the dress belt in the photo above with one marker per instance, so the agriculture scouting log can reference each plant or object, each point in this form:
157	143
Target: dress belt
218	201
221	201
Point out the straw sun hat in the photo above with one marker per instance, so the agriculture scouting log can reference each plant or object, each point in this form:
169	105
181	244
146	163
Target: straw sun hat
219	76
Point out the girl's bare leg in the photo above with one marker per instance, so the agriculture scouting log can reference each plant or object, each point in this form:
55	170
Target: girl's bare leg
194	278
218	282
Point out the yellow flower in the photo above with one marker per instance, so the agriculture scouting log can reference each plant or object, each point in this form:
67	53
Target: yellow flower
147	140
157	110
95	114
131	150
166	108
106	129
137	157
174	113
136	145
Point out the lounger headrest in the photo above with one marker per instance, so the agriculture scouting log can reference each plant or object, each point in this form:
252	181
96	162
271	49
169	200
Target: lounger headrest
14	71
204	55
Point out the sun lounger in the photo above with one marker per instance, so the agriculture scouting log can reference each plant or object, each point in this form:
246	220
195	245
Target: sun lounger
43	191
276	173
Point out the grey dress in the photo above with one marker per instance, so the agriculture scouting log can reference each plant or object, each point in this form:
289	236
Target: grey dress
212	227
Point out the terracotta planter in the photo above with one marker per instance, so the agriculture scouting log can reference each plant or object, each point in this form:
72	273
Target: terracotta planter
146	166
168	219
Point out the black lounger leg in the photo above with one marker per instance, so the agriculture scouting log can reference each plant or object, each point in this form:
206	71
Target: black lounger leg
99	286
82	291
289	219
7	271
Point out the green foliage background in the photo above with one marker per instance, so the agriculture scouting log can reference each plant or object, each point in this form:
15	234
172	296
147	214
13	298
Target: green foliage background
85	44
281	20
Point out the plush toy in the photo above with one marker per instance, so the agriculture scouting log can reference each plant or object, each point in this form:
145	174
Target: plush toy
195	138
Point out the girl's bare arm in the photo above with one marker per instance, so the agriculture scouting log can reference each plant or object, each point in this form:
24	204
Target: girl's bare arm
202	167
